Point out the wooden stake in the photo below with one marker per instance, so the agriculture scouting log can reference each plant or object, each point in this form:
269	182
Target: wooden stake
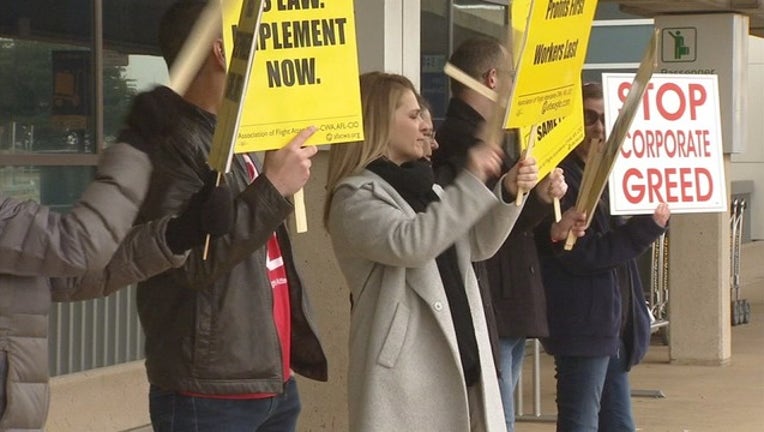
593	160
596	176
196	48
461	76
570	241
527	153
208	237
300	218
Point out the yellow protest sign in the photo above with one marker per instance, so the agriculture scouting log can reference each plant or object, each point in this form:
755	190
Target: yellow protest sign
305	73
550	62
556	138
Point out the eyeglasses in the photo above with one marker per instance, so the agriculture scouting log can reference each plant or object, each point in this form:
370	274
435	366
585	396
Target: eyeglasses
591	117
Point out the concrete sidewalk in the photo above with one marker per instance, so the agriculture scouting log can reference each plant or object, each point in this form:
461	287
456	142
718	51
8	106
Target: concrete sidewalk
698	398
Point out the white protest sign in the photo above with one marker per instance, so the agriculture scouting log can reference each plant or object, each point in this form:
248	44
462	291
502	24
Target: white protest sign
673	150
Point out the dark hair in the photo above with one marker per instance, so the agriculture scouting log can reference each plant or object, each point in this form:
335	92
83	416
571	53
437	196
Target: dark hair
175	26
475	57
592	90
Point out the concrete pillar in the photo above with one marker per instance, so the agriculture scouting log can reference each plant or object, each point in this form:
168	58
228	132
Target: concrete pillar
699	280
388	36
699	254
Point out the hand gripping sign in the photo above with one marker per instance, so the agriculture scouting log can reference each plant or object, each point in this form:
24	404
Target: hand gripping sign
305	74
602	156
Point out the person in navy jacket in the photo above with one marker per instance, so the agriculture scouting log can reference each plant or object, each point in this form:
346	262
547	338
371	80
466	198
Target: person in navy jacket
599	326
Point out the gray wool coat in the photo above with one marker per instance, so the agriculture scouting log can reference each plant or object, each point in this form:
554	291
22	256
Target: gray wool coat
404	368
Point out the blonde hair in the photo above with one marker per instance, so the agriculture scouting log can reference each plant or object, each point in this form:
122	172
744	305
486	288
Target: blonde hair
381	95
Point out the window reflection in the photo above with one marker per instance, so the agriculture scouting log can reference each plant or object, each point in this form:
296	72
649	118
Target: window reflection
468	18
138	73
57	187
45	102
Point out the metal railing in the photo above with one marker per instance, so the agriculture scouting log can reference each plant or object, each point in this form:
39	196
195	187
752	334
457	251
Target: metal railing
94	333
741	309
657	301
536	415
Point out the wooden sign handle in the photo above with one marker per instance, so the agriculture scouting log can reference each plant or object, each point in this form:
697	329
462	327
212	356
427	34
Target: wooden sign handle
570	241
531	143
300	218
473	84
193	52
208	237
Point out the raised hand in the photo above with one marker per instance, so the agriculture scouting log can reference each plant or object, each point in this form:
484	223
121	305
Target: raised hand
522	176
484	161
288	168
553	186
662	215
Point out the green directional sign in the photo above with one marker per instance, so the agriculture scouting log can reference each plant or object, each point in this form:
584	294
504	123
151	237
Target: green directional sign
679	44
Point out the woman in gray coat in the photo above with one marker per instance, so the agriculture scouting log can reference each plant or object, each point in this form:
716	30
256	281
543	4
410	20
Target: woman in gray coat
420	356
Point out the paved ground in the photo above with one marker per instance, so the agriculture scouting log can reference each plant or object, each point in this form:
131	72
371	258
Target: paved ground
698	398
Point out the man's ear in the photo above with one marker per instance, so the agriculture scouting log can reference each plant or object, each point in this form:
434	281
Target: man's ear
491	80
219	52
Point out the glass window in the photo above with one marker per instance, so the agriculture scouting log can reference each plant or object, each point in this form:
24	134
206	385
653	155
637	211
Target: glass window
612	11
46	99
46	103
618	44
445	24
48	128
595	74
54	186
476	18
124	76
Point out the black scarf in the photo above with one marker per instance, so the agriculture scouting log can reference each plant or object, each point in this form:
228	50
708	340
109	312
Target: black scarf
414	181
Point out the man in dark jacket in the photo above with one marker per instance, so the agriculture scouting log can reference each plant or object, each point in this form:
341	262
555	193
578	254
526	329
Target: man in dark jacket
224	334
598	321
510	281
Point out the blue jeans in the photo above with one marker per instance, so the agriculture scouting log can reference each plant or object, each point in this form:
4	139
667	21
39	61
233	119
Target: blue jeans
593	394
511	352
172	412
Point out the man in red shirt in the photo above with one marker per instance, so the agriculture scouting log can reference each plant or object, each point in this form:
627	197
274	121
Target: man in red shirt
224	334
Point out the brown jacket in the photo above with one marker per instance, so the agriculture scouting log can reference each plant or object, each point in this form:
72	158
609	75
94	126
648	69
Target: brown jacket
208	324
